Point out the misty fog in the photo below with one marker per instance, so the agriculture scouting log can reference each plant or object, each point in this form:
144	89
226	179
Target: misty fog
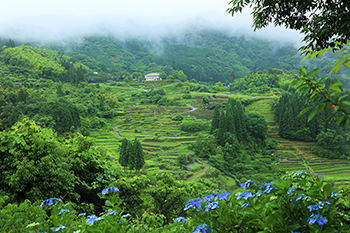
61	20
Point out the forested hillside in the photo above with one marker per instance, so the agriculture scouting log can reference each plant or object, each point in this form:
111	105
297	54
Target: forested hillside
207	55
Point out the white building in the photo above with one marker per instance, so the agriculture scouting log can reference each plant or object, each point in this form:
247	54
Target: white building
152	77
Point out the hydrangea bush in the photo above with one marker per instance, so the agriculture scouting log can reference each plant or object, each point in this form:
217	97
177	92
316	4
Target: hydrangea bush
298	202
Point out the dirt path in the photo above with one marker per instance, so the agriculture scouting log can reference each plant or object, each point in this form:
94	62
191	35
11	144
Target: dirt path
206	166
115	131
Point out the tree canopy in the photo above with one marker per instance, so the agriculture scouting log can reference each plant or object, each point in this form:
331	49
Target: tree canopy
322	22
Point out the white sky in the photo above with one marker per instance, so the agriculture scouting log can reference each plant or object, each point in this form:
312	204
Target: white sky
61	19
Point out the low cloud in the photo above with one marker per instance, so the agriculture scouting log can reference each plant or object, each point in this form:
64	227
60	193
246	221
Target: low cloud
59	20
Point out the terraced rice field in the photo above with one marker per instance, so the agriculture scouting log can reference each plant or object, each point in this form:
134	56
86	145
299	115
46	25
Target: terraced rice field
297	155
160	136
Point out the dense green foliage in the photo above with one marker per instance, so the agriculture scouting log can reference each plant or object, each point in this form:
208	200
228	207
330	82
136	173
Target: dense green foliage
331	138
297	202
267	82
62	107
36	165
206	56
237	143
131	155
321	22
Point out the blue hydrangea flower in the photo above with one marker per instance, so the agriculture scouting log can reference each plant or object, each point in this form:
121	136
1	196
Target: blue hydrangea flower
317	218
222	196
334	194
290	191
314	207
201	228
111	212
180	219
49	202
82	214
258	194
59	228
193	203
126	215
91	219
268	190
109	189
301	196
265	185
245	205
245	195
211	206
294	231
247	184
209	197
323	203
64	210
299	173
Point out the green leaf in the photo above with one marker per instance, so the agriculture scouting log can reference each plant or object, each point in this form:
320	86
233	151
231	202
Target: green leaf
305	57
335	86
303	71
312	73
304	111
340	119
323	51
336	67
312	115
346	102
342	97
327	190
346	64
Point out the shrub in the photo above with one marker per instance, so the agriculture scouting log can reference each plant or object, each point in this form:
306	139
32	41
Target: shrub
194	126
178	118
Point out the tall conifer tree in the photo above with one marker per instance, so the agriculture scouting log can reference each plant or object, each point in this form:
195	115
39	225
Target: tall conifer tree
215	120
131	158
220	135
138	154
123	154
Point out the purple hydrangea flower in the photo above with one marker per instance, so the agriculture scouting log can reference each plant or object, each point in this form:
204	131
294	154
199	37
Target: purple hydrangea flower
49	202
211	206
222	196
59	228
109	189
247	184
317	218
180	219
64	210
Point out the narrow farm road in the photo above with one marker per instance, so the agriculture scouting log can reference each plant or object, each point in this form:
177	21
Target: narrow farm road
196	175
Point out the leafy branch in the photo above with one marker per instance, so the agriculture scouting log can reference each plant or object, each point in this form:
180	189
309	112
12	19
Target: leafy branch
315	89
